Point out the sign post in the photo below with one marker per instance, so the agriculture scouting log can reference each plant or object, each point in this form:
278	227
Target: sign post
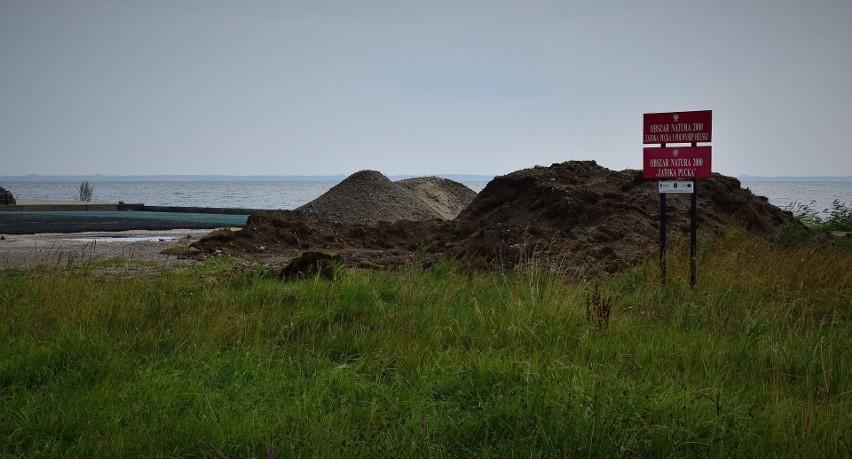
671	165
693	230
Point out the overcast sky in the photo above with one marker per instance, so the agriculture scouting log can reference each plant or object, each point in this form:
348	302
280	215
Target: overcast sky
417	87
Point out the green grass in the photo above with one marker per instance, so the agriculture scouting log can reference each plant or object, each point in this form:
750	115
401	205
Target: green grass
219	360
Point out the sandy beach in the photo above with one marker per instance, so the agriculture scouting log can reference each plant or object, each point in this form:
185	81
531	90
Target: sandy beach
62	249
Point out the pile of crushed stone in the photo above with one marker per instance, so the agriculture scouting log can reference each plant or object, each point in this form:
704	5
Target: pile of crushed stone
573	217
370	197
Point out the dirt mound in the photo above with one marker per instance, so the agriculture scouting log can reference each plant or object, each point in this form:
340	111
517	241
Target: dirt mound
581	215
574	216
368	197
444	196
287	233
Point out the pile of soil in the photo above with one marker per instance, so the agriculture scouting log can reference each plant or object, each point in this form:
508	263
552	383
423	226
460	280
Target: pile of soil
445	197
575	216
370	197
581	216
284	234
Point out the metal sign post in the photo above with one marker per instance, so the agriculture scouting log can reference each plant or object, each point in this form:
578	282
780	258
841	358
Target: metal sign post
676	163
693	228
663	239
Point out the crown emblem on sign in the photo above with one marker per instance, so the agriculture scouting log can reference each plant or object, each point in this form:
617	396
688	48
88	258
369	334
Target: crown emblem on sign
674	152
676	117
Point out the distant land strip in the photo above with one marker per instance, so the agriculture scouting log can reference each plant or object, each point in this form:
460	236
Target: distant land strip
218	178
332	178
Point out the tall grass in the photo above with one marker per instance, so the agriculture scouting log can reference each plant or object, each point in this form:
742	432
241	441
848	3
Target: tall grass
220	360
837	218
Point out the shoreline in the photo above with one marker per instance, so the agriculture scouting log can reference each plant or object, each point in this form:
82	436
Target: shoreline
61	233
64	249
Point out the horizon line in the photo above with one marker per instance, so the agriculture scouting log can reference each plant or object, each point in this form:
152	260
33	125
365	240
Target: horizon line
471	176
317	177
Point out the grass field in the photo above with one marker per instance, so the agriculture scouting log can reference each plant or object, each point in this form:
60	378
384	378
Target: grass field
220	360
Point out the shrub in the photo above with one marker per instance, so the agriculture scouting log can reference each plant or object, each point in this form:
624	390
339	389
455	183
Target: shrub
85	193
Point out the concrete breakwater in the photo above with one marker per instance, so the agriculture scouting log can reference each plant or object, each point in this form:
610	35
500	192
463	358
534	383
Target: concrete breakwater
75	206
189	210
28	217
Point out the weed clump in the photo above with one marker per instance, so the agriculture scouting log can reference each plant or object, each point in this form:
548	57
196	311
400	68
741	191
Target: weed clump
598	308
837	218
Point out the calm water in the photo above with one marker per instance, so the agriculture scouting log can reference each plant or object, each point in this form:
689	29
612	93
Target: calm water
289	195
241	194
819	195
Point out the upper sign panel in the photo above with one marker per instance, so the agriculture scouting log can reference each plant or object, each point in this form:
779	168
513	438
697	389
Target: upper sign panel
678	127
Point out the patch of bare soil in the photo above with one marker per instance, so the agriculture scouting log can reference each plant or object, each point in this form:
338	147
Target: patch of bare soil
283	234
574	217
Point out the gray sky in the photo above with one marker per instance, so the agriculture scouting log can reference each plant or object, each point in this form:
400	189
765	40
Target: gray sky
417	87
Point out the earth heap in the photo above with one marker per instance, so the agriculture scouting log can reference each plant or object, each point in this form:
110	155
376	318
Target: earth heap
574	216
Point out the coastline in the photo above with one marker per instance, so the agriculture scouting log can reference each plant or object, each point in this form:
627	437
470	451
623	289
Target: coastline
65	249
60	233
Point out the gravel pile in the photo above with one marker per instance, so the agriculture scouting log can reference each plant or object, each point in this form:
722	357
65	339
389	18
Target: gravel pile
369	197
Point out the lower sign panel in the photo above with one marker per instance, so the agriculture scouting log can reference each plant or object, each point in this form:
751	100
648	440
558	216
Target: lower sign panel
676	163
676	187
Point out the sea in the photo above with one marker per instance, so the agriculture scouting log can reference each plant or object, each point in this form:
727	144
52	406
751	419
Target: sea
243	194
819	194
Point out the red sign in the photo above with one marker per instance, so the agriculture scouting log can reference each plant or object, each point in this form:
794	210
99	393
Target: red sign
676	163
678	127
